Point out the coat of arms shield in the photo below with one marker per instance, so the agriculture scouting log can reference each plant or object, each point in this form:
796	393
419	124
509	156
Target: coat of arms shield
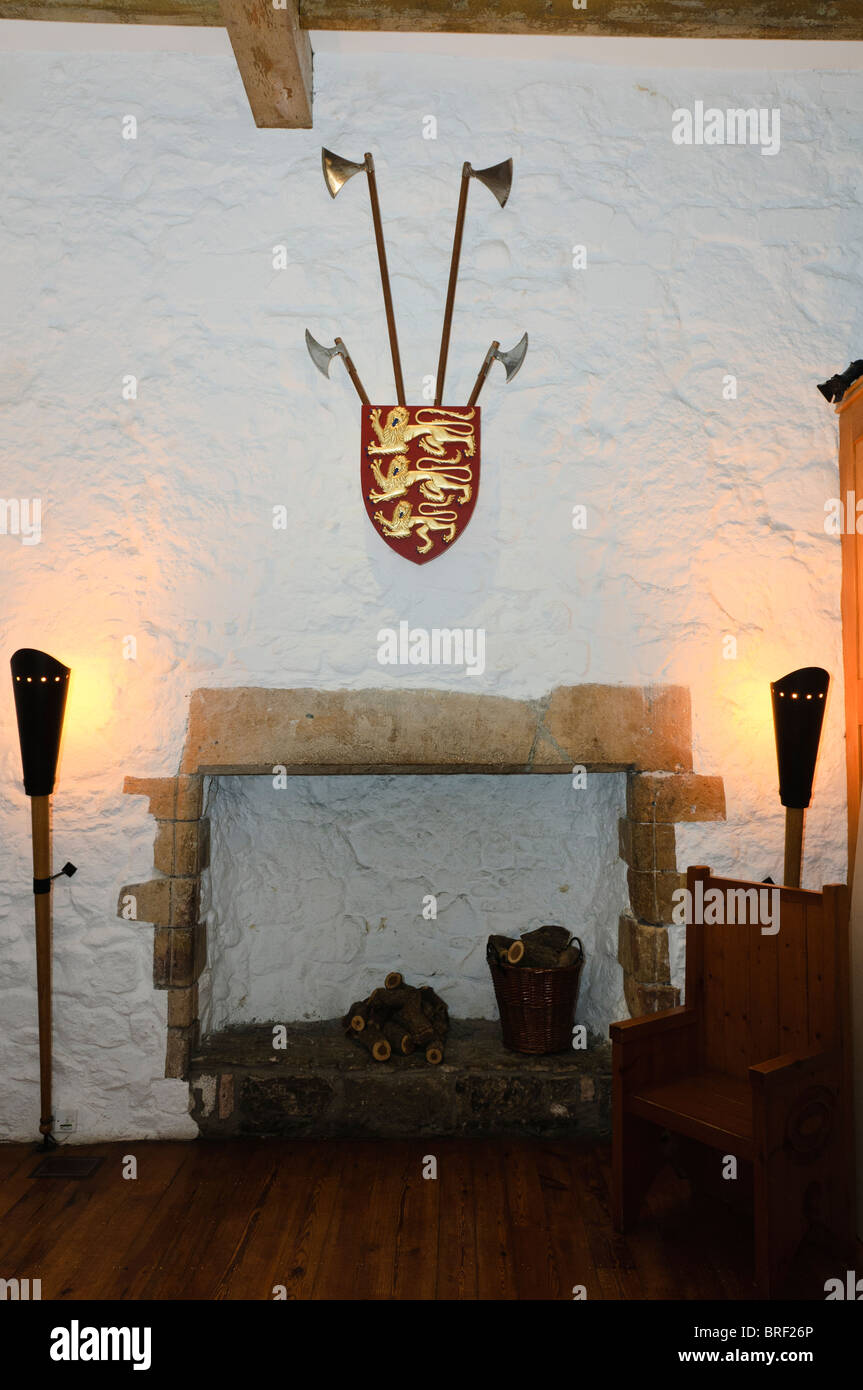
419	471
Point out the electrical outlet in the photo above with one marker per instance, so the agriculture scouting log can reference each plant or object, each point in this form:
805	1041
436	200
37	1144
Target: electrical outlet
65	1121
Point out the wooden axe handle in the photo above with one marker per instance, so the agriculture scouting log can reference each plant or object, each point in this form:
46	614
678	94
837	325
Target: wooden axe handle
385	280
352	372
483	373
453	277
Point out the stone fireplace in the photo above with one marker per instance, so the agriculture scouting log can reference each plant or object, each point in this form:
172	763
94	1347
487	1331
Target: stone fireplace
644	733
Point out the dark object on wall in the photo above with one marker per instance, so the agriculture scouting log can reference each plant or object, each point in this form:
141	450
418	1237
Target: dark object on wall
834	389
40	684
799	700
769	1085
536	990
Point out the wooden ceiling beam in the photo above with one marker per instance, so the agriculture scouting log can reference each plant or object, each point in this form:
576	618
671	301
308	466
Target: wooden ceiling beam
725	19
274	56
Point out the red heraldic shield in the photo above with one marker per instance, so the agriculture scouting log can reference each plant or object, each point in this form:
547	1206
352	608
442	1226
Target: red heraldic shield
419	472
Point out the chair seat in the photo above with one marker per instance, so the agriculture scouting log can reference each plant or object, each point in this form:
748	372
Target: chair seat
709	1106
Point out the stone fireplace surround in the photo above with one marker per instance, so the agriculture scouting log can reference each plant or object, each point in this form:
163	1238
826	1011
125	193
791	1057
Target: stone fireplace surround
643	731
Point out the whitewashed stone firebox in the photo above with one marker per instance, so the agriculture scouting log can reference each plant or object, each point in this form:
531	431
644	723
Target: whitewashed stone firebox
319	885
642	733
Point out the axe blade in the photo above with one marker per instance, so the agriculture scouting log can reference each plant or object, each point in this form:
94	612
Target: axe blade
513	359
320	355
497	178
337	170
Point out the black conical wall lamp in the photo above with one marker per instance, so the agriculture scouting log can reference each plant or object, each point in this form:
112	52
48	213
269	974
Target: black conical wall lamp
799	700
40	684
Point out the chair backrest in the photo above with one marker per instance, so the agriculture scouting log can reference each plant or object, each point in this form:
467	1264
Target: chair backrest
762	993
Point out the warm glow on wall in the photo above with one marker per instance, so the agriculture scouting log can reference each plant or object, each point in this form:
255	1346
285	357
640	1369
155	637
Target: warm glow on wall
92	694
741	703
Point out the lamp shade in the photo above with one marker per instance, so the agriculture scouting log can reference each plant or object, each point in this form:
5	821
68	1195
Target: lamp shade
798	713
41	684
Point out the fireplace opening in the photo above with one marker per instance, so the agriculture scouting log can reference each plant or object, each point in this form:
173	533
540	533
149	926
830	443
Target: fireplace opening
318	886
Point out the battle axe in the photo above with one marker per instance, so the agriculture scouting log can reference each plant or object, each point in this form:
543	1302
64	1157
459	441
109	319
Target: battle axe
323	356
511	362
337	171
498	179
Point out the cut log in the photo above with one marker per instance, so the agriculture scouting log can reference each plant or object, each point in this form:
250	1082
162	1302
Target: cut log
398	1037
405	1004
437	1014
356	1016
571	956
398	1018
392	998
554	938
420	1028
374	1042
434	1052
537	957
431	1001
435	1008
507	950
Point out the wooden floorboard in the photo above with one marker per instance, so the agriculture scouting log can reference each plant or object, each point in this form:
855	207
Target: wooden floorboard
455	1260
324	1220
491	1223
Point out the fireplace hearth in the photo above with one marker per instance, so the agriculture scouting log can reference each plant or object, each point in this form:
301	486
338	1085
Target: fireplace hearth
320	1086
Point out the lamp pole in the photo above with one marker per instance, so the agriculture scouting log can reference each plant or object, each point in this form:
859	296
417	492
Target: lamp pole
794	818
40	815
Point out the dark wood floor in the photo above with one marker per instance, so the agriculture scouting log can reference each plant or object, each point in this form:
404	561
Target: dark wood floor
505	1219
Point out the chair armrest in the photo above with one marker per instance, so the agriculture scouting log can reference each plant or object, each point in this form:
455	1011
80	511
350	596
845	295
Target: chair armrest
791	1067
632	1030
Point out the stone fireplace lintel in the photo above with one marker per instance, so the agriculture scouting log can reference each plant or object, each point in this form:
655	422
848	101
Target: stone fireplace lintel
604	727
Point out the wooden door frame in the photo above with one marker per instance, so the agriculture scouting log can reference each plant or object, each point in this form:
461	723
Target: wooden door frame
850	413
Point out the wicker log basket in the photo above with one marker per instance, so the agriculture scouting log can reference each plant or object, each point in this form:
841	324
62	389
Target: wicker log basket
536	982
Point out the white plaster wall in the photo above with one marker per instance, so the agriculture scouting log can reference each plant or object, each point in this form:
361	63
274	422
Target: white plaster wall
317	889
153	257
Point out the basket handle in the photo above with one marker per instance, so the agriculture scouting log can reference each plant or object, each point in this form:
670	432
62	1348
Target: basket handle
578	940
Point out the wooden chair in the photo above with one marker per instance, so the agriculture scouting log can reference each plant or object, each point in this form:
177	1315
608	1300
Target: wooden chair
756	1063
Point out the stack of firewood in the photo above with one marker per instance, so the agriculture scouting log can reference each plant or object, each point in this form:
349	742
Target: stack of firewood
543	949
399	1018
